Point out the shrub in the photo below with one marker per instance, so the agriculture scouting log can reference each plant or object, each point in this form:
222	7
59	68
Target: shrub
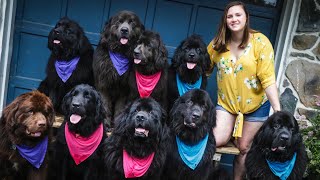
311	136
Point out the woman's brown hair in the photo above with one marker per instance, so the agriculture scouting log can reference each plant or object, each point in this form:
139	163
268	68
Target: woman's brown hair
224	34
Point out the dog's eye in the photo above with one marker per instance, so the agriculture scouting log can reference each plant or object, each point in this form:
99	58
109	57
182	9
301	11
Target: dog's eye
276	126
189	103
130	21
204	107
30	112
68	31
198	50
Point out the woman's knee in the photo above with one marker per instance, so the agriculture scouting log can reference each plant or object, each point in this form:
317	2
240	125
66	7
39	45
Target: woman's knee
244	148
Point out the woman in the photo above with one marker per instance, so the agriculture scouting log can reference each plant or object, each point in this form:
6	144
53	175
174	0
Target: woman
246	81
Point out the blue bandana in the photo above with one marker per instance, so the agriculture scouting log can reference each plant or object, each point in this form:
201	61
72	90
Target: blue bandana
35	155
282	169
65	68
120	62
184	87
192	155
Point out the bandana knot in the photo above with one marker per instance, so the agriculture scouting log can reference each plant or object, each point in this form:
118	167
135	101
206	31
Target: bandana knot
65	69
282	169
192	155
185	87
120	62
136	167
146	84
35	155
81	148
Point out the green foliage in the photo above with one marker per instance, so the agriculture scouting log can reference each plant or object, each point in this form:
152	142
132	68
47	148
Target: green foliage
311	136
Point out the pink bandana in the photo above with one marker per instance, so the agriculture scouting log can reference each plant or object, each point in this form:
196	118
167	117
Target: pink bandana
81	148
135	167
146	84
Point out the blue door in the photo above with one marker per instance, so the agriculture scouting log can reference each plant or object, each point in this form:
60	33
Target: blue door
173	19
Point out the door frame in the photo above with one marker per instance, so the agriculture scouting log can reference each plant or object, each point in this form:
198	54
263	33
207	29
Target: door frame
7	20
8	11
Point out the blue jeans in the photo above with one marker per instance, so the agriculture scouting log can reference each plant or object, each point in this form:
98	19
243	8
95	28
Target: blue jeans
259	115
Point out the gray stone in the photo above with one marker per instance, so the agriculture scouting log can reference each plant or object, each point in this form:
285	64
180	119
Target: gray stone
296	54
288	101
316	51
285	83
310	114
309	18
303	42
305	79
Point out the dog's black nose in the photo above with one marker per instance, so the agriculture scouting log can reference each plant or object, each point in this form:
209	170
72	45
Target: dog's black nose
195	115
136	51
75	105
124	30
284	137
141	118
191	55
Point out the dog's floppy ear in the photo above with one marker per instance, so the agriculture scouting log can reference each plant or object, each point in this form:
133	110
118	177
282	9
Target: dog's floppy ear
66	101
105	34
120	120
212	114
9	117
178	56
84	44
162	54
100	114
206	62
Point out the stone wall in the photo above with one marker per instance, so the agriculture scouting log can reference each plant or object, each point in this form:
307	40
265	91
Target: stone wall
300	85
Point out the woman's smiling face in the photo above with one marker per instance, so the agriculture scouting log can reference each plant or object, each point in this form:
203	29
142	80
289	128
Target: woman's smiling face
236	18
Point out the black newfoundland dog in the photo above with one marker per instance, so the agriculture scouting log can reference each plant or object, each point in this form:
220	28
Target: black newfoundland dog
149	75
113	59
192	141
277	145
79	153
138	145
25	127
188	68
70	62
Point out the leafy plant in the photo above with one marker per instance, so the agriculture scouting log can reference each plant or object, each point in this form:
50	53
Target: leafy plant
312	142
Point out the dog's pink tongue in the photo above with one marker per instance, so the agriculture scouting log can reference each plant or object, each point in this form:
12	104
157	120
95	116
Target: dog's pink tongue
123	40
141	130
274	149
37	134
74	118
56	41
137	61
191	65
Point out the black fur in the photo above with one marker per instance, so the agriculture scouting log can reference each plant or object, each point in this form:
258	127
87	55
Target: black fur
277	140
85	101
190	50
192	117
152	53
73	43
142	113
112	86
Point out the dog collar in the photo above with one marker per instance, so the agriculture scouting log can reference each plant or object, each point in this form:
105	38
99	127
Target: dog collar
192	155
120	62
282	169
65	68
146	84
136	167
81	148
184	87
35	155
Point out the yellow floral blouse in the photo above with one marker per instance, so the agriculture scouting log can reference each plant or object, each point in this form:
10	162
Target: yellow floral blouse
241	83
